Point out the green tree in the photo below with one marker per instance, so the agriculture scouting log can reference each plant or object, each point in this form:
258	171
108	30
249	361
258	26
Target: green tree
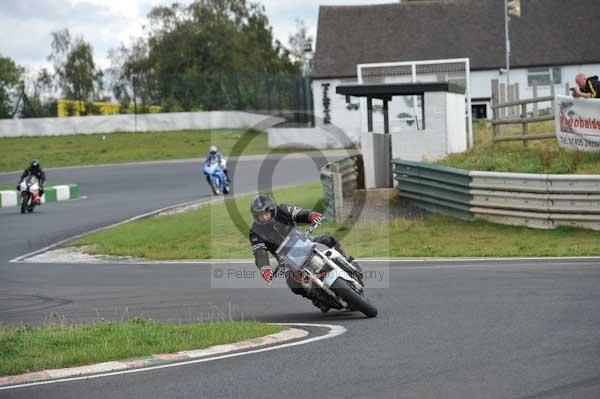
132	75
211	54
74	66
37	96
10	76
300	43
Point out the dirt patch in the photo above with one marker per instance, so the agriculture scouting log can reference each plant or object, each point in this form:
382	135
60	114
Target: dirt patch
381	205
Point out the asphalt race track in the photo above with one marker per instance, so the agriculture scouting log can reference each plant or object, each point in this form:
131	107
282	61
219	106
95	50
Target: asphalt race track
527	329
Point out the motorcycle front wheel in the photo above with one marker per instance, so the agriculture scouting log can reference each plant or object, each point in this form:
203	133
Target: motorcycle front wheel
354	300
214	185
25	201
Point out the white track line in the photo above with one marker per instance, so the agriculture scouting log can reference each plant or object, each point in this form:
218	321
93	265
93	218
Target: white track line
334	331
144	215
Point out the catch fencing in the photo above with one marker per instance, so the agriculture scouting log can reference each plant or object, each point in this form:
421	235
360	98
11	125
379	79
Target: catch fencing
536	200
339	181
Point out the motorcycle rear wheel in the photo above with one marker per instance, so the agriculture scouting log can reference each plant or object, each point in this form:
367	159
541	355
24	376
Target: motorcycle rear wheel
354	300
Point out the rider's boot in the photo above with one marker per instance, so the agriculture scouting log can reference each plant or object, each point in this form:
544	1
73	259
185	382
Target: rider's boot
313	298
321	306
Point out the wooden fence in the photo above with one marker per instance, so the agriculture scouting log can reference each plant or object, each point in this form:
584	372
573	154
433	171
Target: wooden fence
508	109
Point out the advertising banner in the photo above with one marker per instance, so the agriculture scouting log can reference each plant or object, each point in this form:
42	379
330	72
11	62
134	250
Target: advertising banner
577	123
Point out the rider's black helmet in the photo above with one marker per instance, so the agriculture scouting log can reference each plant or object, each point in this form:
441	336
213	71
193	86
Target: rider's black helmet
35	164
262	203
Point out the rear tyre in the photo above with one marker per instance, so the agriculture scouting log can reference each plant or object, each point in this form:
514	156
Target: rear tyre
24	202
354	300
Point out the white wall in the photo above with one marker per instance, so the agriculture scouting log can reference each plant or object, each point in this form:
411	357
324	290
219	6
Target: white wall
481	87
352	121
445	131
320	137
456	128
347	120
135	123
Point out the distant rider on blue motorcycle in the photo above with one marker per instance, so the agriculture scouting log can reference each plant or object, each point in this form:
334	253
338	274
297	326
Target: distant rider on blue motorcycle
215	155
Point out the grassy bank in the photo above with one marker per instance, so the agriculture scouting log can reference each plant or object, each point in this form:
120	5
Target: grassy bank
539	156
65	345
57	151
211	233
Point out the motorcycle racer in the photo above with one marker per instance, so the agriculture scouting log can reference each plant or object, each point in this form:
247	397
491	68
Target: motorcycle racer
271	225
215	156
34	169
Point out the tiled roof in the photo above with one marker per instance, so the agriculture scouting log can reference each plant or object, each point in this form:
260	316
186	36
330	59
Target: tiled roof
549	32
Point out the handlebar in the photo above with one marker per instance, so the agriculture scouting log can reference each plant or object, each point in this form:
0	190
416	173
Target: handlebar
308	233
314	226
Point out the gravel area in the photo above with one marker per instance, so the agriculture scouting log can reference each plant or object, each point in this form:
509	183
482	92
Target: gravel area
382	208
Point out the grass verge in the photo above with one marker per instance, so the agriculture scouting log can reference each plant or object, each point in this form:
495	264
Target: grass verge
28	349
93	149
211	233
539	156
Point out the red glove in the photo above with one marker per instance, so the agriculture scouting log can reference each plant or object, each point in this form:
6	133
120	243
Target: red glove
267	273
314	217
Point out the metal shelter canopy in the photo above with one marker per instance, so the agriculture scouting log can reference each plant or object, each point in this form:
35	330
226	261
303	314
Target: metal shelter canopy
385	91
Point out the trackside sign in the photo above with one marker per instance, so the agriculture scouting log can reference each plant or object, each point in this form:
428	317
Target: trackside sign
577	123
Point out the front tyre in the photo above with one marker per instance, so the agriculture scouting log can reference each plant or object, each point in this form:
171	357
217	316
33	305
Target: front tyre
354	300
25	201
214	185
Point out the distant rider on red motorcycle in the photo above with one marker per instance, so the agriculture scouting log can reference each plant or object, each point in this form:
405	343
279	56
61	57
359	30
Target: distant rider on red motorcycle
34	169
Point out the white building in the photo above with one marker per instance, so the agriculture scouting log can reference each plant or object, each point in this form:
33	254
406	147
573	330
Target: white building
551	42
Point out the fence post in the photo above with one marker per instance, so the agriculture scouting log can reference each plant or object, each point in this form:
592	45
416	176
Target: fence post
510	97
502	99
516	98
338	192
525	126
495	112
535	94
567	89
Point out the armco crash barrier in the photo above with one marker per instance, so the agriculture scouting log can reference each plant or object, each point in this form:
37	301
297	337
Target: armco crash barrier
534	200
51	194
339	181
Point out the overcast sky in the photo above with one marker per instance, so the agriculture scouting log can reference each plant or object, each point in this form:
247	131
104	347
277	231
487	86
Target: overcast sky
25	25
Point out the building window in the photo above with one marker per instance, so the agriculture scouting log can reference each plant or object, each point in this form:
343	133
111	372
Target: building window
479	111
543	76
